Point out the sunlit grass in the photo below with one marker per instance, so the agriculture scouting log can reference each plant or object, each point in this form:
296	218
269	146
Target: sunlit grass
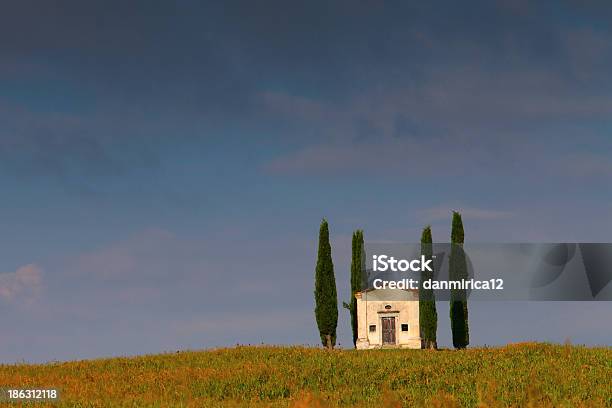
515	375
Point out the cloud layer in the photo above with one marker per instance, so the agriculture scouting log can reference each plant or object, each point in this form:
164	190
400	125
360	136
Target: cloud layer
21	285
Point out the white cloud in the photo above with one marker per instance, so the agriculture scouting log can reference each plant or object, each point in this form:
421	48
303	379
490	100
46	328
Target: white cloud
24	282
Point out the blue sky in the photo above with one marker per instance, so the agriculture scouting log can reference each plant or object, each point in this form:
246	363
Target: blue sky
165	166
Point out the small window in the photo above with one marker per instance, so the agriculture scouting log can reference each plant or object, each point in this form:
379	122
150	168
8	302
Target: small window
404	326
372	327
388	307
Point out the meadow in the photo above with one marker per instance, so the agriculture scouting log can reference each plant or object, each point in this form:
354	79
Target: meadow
520	375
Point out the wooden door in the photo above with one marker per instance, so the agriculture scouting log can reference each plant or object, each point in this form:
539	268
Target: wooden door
388	330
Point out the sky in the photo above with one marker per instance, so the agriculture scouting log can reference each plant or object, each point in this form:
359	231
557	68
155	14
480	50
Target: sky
165	166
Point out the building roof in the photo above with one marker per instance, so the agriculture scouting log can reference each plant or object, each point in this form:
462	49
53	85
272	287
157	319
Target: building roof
371	294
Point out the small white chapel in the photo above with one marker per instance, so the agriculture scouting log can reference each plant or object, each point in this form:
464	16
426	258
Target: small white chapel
388	318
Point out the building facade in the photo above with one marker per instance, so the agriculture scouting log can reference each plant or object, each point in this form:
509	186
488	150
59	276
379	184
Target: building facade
388	318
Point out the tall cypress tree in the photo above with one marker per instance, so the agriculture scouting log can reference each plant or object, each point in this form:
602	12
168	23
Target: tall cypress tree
326	299
428	316
458	271
356	263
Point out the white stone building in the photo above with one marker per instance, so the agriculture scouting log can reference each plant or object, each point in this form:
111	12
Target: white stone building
388	318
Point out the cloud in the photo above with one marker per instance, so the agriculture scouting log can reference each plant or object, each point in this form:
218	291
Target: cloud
369	75
148	257
152	265
296	106
24	283
420	157
506	118
76	149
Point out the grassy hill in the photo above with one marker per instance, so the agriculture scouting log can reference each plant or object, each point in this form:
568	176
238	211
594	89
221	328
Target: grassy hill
516	375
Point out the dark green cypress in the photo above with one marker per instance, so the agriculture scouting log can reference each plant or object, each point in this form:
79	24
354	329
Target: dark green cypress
428	316
356	265
458	271
326	299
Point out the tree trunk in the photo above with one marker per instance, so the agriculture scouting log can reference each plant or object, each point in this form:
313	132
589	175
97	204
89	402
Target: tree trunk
328	342
430	345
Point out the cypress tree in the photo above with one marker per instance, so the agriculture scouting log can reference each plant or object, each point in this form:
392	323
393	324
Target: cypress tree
326	299
428	316
356	263
458	271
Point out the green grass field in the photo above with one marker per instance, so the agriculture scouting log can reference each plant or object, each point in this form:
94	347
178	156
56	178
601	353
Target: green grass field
516	375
